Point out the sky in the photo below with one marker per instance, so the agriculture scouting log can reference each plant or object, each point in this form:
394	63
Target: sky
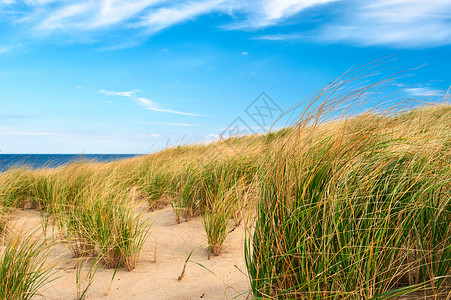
113	76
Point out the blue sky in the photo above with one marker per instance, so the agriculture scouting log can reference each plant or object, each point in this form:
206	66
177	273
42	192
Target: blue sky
117	76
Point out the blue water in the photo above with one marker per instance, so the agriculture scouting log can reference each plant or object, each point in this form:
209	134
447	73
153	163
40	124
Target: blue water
53	160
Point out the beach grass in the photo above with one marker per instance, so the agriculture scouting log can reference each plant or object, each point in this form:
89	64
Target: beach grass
97	213
355	208
23	268
345	203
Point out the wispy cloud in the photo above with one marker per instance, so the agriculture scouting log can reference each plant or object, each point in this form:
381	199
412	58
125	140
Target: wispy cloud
113	11
164	17
171	111
394	23
148	16
146	103
148	135
279	37
150	105
208	138
423	92
277	9
45	18
67	16
123	94
260	14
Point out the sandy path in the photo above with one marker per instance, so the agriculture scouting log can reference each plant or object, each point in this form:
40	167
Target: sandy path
158	280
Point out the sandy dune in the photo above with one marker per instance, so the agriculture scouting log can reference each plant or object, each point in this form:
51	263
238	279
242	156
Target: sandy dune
157	279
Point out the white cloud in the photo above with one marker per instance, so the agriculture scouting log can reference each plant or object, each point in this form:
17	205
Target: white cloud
65	15
116	11
264	13
423	92
148	135
278	9
279	37
211	137
397	23
171	111
146	103
168	16
123	94
244	53
150	15
394	23
91	15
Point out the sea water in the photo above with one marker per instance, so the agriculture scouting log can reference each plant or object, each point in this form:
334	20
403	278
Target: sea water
34	161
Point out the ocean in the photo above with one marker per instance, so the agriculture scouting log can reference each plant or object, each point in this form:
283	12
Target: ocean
35	161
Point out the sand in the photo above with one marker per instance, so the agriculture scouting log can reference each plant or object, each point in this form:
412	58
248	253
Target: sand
160	264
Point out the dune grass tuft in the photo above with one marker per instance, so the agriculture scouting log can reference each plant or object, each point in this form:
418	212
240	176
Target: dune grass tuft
356	208
22	266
